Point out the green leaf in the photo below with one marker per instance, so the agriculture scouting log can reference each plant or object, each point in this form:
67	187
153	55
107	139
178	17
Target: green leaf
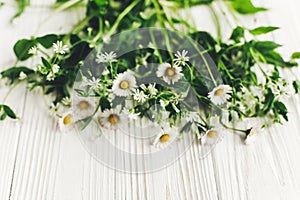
3	116
22	4
46	63
281	109
237	34
273	57
246	7
14	72
263	30
9	112
22	47
265	45
47	40
296	55
296	86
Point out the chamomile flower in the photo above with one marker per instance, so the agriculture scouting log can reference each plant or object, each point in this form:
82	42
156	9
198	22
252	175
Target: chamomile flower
106	57
105	72
214	134
252	134
181	58
84	106
220	94
111	118
124	84
22	76
66	122
55	68
59	48
139	96
94	83
33	50
169	74
166	137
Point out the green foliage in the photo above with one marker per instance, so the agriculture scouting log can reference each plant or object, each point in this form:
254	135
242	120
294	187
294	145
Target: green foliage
263	30
246	7
6	111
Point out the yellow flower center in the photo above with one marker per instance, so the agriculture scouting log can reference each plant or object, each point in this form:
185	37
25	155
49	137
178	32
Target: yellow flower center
219	92
124	84
170	71
83	105
113	118
212	134
164	138
67	120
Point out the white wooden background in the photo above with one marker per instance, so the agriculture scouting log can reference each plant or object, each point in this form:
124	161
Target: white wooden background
39	162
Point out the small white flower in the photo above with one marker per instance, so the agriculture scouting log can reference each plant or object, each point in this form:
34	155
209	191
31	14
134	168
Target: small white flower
220	94
163	103
124	84
252	134
50	76
111	118
139	96
33	50
37	68
130	114
66	101
22	76
192	117
60	48
181	58
170	74
55	68
53	109
151	89
214	134
166	137
94	83
105	72
106	57
66	122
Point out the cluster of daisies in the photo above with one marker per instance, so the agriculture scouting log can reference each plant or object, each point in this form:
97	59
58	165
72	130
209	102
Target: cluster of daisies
125	85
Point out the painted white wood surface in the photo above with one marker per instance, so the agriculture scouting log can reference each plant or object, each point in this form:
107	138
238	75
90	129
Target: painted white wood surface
39	162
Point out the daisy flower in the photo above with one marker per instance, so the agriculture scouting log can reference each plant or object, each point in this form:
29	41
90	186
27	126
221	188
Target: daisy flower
252	134
181	58
111	118
124	84
166	137
33	50
220	94
170	74
22	76
66	122
214	134
94	83
106	57
55	68
84	106
59	48
139	96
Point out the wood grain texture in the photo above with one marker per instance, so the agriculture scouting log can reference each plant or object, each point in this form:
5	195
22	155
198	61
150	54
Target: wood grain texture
39	162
